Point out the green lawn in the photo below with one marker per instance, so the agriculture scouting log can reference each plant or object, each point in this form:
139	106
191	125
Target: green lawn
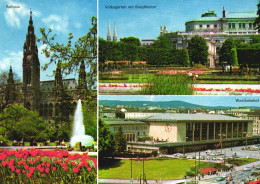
154	169
132	78
144	78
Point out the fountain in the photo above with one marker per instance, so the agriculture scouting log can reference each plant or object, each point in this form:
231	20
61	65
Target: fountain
79	129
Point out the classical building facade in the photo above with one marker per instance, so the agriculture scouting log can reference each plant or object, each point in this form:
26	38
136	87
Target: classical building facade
215	30
43	96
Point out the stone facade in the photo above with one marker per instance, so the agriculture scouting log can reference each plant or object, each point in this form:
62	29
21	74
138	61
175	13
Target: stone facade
42	96
215	30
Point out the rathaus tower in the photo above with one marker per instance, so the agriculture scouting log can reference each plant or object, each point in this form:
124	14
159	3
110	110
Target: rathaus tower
31	70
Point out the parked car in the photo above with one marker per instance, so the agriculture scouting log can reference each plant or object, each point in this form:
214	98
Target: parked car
190	157
177	154
235	156
257	167
247	169
212	154
200	157
208	152
219	153
220	178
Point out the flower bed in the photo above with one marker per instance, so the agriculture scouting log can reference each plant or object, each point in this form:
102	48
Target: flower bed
198	89
122	85
248	90
194	71
126	62
45	166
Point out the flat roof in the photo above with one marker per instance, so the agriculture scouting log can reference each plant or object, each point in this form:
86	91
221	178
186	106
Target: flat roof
122	122
193	117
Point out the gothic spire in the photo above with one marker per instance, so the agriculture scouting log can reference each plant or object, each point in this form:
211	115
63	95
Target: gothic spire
108	33
114	35
58	77
10	76
30	43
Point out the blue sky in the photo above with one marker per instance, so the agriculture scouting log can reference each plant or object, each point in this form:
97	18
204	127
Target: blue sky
200	100
62	16
145	23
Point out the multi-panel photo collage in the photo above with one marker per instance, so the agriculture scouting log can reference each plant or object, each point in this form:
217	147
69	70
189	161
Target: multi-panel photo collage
137	92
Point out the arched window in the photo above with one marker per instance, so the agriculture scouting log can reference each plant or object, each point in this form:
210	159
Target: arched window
45	111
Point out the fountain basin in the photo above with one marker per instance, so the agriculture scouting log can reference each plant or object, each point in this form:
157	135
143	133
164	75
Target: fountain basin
85	140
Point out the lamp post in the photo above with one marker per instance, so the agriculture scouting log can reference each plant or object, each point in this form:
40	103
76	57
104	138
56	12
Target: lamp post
131	168
195	167
221	140
183	150
246	137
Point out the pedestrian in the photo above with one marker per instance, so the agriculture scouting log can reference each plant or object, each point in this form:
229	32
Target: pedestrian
31	141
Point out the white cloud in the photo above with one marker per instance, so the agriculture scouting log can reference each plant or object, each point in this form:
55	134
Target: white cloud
15	59
14	15
78	25
56	22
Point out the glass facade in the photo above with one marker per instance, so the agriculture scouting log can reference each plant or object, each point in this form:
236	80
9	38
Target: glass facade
204	131
215	130
189	131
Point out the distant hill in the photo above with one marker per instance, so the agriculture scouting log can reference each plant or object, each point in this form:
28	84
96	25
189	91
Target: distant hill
162	104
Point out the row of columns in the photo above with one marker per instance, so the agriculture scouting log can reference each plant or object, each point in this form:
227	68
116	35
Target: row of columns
235	132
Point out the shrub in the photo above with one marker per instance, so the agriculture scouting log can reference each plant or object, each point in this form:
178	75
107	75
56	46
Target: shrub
169	85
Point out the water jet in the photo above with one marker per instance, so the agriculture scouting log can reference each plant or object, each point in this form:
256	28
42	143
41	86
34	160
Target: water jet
78	134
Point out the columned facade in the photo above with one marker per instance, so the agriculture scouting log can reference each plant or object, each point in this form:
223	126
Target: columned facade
215	30
204	131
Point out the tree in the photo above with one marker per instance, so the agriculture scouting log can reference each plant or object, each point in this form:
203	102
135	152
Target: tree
9	90
198	50
131	41
17	122
62	120
106	142
163	42
85	48
228	54
257	20
120	141
254	39
89	109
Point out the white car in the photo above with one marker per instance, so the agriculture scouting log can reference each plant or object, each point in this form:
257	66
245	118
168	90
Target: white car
247	169
190	157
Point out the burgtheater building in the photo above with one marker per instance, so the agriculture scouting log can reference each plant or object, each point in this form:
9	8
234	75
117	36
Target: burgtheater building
43	96
215	30
169	132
